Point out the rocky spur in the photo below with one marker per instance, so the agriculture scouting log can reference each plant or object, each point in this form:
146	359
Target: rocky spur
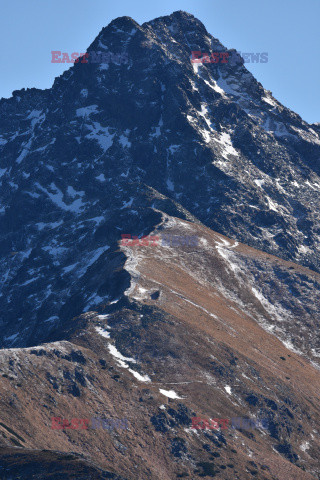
167	240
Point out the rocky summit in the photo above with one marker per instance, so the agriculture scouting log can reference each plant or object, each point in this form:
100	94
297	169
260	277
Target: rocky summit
176	337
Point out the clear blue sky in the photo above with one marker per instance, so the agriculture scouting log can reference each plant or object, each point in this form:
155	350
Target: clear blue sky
287	29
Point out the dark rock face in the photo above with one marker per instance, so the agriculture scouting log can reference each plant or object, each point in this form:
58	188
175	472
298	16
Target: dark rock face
86	160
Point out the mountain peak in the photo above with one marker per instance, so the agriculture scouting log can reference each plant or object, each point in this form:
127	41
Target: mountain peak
123	23
182	14
132	193
108	122
179	18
